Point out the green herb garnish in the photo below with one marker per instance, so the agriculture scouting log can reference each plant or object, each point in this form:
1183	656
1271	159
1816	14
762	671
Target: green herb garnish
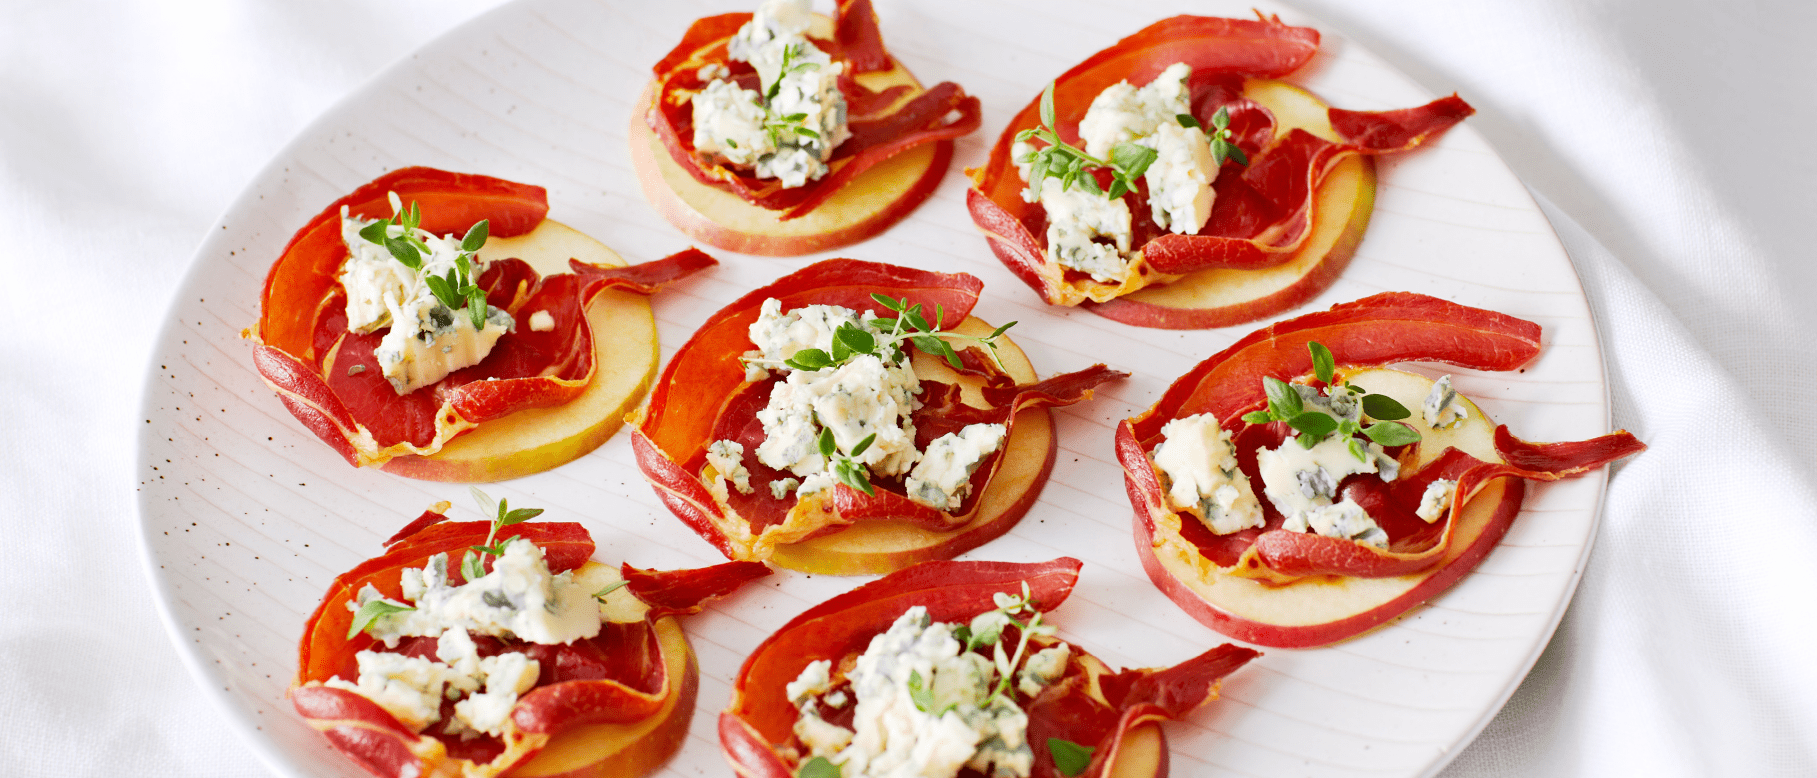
909	325
371	612
818	767
919	692
1284	404
473	565
846	467
456	288
1221	147
1070	164
1069	758
610	588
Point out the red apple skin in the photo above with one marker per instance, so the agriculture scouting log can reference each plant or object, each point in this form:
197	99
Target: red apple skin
1284	636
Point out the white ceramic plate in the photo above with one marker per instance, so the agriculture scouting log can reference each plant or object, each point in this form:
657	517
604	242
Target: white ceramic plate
246	516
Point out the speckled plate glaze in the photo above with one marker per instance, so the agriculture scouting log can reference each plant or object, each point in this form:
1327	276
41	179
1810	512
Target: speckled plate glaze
246	516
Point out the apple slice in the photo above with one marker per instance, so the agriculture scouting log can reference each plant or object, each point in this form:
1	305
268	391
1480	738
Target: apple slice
1318	610
872	547
536	439
1223	297
867	205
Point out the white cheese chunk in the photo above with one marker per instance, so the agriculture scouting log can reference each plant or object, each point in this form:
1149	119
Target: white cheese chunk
860	398
518	598
1043	668
728	124
778	335
1344	520
1436	500
541	321
815	679
1179	180
508	675
726	457
1074	218
1298	479
943	477
1199	464
1443	407
1123	113
407	687
782	486
427	339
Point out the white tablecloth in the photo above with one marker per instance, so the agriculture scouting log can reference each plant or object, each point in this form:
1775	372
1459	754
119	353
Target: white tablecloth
1669	142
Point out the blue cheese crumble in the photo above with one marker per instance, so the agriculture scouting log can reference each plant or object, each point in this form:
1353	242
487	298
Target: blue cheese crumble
1302	482
1443	407
791	136
961	723
427	340
943	477
1198	462
520	598
868	396
1436	500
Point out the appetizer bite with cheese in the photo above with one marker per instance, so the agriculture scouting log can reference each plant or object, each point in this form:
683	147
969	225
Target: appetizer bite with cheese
784	132
948	669
1173	181
437	325
477	647
1291	491
852	417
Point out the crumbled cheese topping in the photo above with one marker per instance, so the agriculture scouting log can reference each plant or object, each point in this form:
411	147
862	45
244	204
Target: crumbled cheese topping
960	724
1199	464
737	127
1443	407
1436	500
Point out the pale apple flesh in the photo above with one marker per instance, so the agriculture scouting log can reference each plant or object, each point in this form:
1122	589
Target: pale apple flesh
1224	297
537	439
869	204
872	547
1319	610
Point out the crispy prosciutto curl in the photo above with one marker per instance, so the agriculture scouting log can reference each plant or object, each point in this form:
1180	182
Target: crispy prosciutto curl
883	123
1089	704
703	396
1263	212
327	377
1486	462
638	671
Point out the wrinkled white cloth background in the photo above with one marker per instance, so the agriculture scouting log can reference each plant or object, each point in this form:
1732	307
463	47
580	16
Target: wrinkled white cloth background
1669	140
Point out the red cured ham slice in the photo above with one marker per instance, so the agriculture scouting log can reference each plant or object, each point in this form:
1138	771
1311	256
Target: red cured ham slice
1090	704
327	376
882	125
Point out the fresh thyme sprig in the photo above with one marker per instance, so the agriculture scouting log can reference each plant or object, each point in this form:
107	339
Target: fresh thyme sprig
1221	147
794	123
846	467
473	566
1070	164
1285	404
456	288
610	588
790	64
986	629
372	611
1070	758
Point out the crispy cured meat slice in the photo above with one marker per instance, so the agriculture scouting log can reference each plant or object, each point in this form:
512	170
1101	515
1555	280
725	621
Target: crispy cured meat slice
1090	704
308	356
623	675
